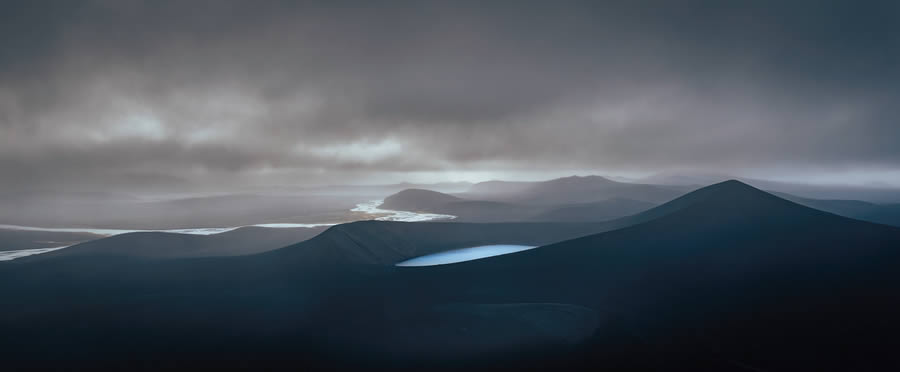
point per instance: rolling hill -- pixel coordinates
(11, 239)
(727, 277)
(242, 241)
(726, 273)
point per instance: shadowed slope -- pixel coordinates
(727, 271)
(242, 241)
(279, 304)
(888, 214)
(11, 239)
(383, 243)
(598, 211)
(727, 276)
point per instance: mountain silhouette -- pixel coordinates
(11, 239)
(496, 211)
(597, 211)
(242, 241)
(888, 214)
(385, 243)
(465, 210)
(493, 188)
(727, 277)
(571, 190)
(727, 272)
(418, 200)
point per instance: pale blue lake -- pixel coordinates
(464, 254)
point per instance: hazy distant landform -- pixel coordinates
(370, 208)
(373, 208)
(602, 200)
(727, 259)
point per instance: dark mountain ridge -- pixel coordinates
(418, 200)
(888, 214)
(726, 278)
(505, 211)
(11, 239)
(242, 241)
(728, 271)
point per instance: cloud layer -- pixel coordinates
(123, 94)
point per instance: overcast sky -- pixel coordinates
(118, 95)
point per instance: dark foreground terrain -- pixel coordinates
(727, 277)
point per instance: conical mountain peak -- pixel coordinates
(730, 197)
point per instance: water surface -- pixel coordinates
(464, 254)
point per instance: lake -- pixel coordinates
(464, 254)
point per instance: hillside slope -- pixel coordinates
(242, 241)
(728, 271)
(724, 278)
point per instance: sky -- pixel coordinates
(215, 95)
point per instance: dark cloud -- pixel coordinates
(131, 93)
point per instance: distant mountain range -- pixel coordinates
(582, 198)
(570, 199)
(381, 190)
(597, 211)
(510, 201)
(242, 241)
(566, 200)
(888, 214)
(873, 194)
(496, 211)
(570, 190)
(726, 277)
(11, 239)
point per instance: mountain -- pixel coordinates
(242, 241)
(727, 277)
(417, 200)
(204, 211)
(822, 196)
(888, 214)
(873, 194)
(384, 243)
(11, 239)
(493, 188)
(597, 211)
(464, 210)
(378, 191)
(726, 273)
(594, 188)
(495, 211)
(571, 190)
(277, 304)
